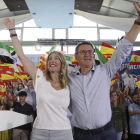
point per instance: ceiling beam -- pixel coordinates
(3, 9)
(133, 12)
(34, 43)
(108, 7)
(119, 10)
(131, 1)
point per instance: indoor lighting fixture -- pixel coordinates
(38, 47)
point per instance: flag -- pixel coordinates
(5, 64)
(46, 55)
(21, 75)
(52, 49)
(6, 77)
(5, 53)
(113, 80)
(107, 50)
(16, 61)
(117, 42)
(137, 82)
(135, 59)
(68, 60)
(100, 56)
(20, 68)
(42, 63)
(5, 68)
(74, 62)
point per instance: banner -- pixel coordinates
(133, 69)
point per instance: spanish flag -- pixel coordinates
(42, 63)
(20, 68)
(137, 82)
(135, 59)
(74, 62)
(46, 55)
(6, 68)
(8, 78)
(114, 79)
(2, 93)
(21, 75)
(7, 65)
(107, 50)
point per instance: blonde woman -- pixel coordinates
(52, 93)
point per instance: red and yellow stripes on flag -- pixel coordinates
(137, 82)
(46, 55)
(20, 68)
(107, 50)
(74, 62)
(6, 68)
(21, 75)
(113, 80)
(42, 63)
(6, 64)
(2, 93)
(135, 59)
(6, 77)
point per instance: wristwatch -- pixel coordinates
(138, 23)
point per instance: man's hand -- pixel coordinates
(9, 24)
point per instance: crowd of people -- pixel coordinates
(95, 114)
(125, 105)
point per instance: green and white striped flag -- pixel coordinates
(68, 60)
(98, 55)
(52, 49)
(5, 53)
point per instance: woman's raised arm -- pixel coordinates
(28, 65)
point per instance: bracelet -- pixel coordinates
(12, 29)
(138, 23)
(13, 35)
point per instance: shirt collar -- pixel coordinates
(92, 70)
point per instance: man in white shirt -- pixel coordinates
(128, 79)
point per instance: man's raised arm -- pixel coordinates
(132, 34)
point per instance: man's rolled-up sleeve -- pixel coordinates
(123, 50)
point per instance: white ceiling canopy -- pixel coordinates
(118, 14)
(123, 24)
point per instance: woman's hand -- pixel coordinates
(9, 24)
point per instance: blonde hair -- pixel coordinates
(63, 77)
